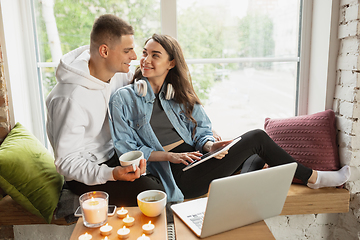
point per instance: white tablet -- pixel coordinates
(212, 154)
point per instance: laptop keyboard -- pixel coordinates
(197, 219)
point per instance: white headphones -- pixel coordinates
(141, 89)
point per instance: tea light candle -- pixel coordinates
(123, 233)
(143, 237)
(85, 236)
(129, 221)
(95, 210)
(122, 213)
(106, 238)
(106, 230)
(148, 228)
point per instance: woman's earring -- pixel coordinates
(140, 87)
(170, 92)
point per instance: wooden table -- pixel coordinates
(160, 232)
(255, 231)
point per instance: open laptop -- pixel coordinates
(238, 200)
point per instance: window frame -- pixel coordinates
(319, 73)
(17, 41)
(317, 68)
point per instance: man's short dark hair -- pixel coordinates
(108, 29)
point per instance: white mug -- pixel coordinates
(131, 158)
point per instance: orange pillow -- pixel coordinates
(309, 139)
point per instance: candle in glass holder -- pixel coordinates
(85, 236)
(148, 228)
(143, 237)
(129, 221)
(123, 233)
(106, 230)
(122, 213)
(95, 210)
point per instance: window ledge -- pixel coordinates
(13, 213)
(304, 200)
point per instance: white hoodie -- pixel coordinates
(77, 119)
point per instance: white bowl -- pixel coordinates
(151, 202)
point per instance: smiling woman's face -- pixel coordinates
(154, 62)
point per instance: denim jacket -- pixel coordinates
(130, 128)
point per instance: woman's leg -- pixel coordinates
(274, 155)
(258, 142)
(253, 163)
(195, 181)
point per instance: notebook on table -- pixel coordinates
(238, 200)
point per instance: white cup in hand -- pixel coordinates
(131, 158)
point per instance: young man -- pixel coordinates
(78, 122)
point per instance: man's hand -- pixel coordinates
(127, 173)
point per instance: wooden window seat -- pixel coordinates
(300, 200)
(303, 200)
(11, 213)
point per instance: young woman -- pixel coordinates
(161, 115)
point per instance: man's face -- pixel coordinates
(121, 54)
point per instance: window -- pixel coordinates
(63, 25)
(243, 55)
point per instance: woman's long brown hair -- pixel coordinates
(178, 76)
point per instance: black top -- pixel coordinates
(160, 123)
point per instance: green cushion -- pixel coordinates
(1, 194)
(28, 173)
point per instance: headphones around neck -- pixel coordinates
(141, 89)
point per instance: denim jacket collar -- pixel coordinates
(150, 96)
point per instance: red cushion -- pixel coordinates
(309, 139)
